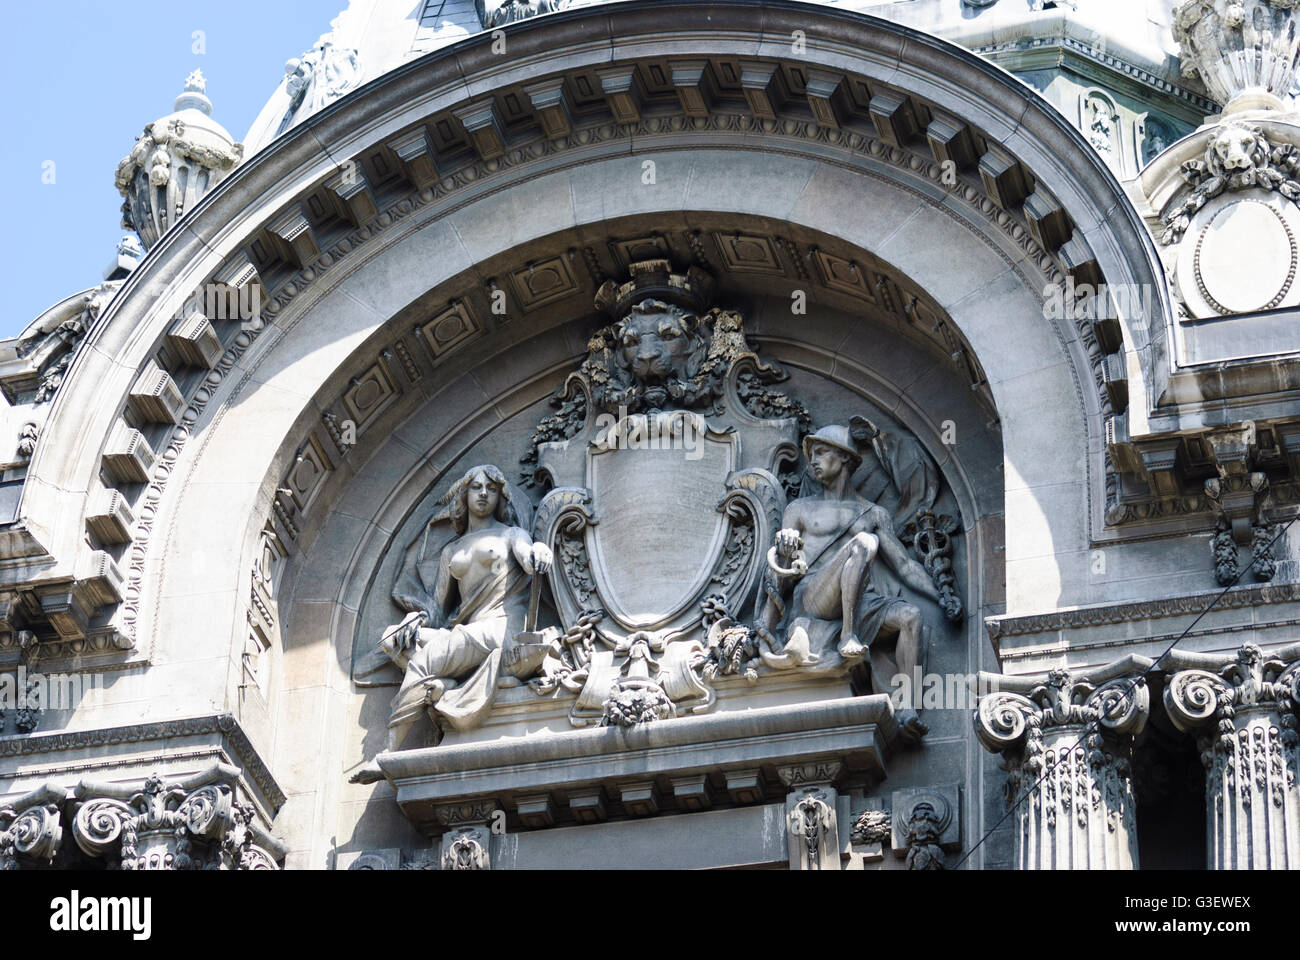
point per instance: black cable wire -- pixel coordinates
(1088, 730)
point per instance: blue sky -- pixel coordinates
(81, 79)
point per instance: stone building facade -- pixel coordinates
(678, 434)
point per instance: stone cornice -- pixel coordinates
(241, 748)
(1011, 54)
(1140, 611)
(859, 731)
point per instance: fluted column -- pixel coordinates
(1066, 743)
(1243, 709)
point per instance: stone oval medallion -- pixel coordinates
(1245, 258)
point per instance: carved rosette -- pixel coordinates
(1243, 710)
(161, 824)
(1066, 743)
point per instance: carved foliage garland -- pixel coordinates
(1238, 157)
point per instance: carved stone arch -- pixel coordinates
(190, 426)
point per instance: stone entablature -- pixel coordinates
(858, 731)
(1090, 635)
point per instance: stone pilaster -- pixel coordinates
(812, 823)
(1066, 742)
(1243, 709)
(195, 823)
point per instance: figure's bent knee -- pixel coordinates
(909, 616)
(865, 544)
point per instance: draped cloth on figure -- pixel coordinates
(465, 645)
(472, 640)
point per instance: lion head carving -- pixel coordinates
(658, 343)
(1237, 157)
(1237, 153)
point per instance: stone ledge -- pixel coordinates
(859, 731)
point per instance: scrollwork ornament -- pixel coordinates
(465, 852)
(1122, 705)
(101, 825)
(810, 821)
(35, 833)
(1193, 697)
(208, 812)
(1002, 721)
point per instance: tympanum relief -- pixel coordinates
(692, 534)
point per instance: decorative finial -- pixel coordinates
(194, 97)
